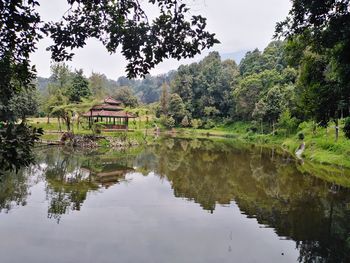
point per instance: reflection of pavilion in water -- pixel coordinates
(110, 172)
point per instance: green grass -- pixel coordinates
(321, 146)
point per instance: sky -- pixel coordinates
(240, 25)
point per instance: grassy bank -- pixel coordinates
(52, 132)
(321, 146)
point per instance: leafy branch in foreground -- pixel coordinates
(172, 34)
(16, 143)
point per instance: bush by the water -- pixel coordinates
(185, 123)
(196, 123)
(301, 136)
(346, 128)
(168, 122)
(97, 128)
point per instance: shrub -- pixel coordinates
(169, 122)
(346, 128)
(185, 122)
(301, 136)
(196, 123)
(209, 124)
(287, 122)
(97, 128)
(253, 129)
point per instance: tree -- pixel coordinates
(16, 143)
(274, 105)
(24, 104)
(259, 113)
(207, 84)
(185, 123)
(20, 30)
(251, 63)
(164, 99)
(98, 85)
(61, 75)
(149, 89)
(169, 122)
(79, 88)
(126, 96)
(246, 95)
(318, 32)
(176, 108)
(287, 122)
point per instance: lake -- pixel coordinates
(178, 200)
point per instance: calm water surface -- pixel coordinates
(176, 201)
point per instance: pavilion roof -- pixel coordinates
(106, 106)
(106, 113)
(110, 100)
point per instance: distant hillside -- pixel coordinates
(147, 90)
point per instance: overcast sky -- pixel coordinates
(240, 25)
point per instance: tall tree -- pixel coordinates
(126, 96)
(164, 99)
(79, 88)
(98, 85)
(176, 108)
(24, 104)
(322, 28)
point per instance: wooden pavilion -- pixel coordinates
(111, 113)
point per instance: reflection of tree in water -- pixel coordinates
(67, 183)
(13, 190)
(70, 176)
(14, 187)
(265, 186)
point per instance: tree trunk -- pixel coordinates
(68, 124)
(273, 127)
(78, 122)
(59, 124)
(336, 129)
(48, 118)
(262, 127)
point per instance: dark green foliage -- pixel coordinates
(301, 136)
(256, 61)
(149, 89)
(144, 43)
(24, 104)
(97, 128)
(19, 31)
(317, 93)
(318, 34)
(164, 99)
(176, 108)
(16, 142)
(346, 128)
(79, 88)
(126, 96)
(287, 122)
(206, 87)
(168, 121)
(251, 63)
